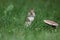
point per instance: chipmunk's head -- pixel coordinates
(31, 10)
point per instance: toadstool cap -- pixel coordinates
(51, 22)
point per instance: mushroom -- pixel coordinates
(52, 23)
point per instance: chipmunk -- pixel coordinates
(30, 17)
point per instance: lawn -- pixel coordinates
(13, 14)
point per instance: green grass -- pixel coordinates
(12, 17)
